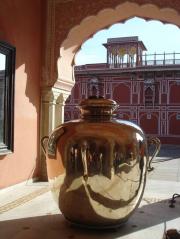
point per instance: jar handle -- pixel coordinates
(84, 161)
(52, 142)
(155, 141)
(44, 144)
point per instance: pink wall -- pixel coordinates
(21, 26)
(121, 93)
(149, 126)
(174, 94)
(174, 124)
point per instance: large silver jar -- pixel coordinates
(97, 166)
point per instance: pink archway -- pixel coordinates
(149, 123)
(121, 94)
(105, 18)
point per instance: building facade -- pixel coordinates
(146, 87)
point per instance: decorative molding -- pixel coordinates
(64, 85)
(52, 95)
(50, 64)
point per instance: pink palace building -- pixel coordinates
(146, 87)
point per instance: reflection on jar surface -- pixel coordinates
(97, 166)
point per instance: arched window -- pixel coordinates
(7, 69)
(149, 96)
(121, 94)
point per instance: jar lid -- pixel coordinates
(98, 102)
(97, 106)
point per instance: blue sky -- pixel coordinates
(157, 37)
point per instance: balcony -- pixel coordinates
(165, 59)
(170, 60)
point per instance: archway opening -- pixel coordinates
(105, 18)
(141, 82)
(77, 35)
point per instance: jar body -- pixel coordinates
(98, 170)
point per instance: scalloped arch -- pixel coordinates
(105, 18)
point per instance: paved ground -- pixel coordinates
(167, 164)
(29, 212)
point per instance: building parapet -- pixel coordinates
(148, 60)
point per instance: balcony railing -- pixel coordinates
(146, 60)
(161, 59)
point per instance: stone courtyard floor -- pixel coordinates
(27, 211)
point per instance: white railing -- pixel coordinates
(144, 61)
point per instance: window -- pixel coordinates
(169, 74)
(177, 74)
(140, 76)
(178, 116)
(159, 74)
(149, 96)
(7, 69)
(164, 87)
(149, 116)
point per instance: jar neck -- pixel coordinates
(97, 113)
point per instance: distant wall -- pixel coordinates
(21, 26)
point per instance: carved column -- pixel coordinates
(52, 115)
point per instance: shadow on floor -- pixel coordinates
(55, 226)
(167, 152)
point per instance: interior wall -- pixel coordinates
(21, 26)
